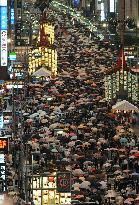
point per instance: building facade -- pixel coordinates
(132, 10)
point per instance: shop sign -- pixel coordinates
(3, 18)
(3, 48)
(12, 56)
(4, 145)
(3, 2)
(12, 16)
(64, 182)
(112, 5)
(1, 122)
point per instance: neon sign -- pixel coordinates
(4, 145)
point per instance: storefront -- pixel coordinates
(44, 190)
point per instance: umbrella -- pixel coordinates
(129, 200)
(74, 138)
(111, 194)
(107, 165)
(72, 134)
(42, 72)
(25, 114)
(71, 144)
(78, 172)
(34, 115)
(103, 184)
(137, 199)
(136, 155)
(76, 185)
(125, 106)
(135, 174)
(29, 120)
(117, 172)
(79, 196)
(54, 151)
(44, 121)
(85, 185)
(123, 140)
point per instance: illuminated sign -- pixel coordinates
(64, 182)
(1, 122)
(4, 145)
(3, 33)
(3, 18)
(12, 56)
(102, 12)
(2, 158)
(3, 2)
(76, 2)
(2, 178)
(112, 5)
(3, 48)
(1, 198)
(12, 16)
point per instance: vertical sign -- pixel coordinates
(12, 13)
(4, 146)
(3, 33)
(102, 12)
(3, 48)
(18, 26)
(112, 6)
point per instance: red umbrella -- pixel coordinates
(112, 115)
(136, 155)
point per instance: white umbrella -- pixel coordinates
(44, 121)
(34, 115)
(78, 172)
(103, 184)
(76, 185)
(107, 165)
(42, 72)
(25, 114)
(71, 144)
(29, 120)
(85, 185)
(125, 106)
(54, 151)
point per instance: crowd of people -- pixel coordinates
(68, 123)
